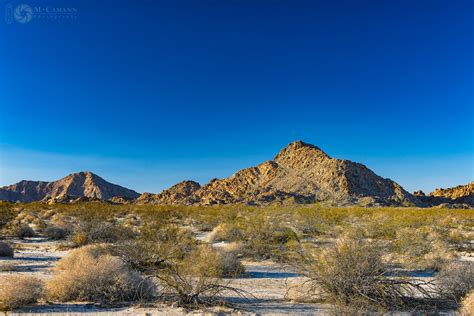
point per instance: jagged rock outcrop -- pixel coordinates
(301, 173)
(461, 194)
(67, 189)
(419, 193)
(458, 192)
(179, 194)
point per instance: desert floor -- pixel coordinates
(266, 283)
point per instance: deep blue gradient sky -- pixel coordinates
(149, 93)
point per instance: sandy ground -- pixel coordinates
(266, 283)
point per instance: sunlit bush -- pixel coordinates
(91, 274)
(17, 291)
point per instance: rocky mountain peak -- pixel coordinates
(300, 155)
(76, 185)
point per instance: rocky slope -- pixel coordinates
(461, 194)
(458, 192)
(73, 186)
(179, 194)
(300, 173)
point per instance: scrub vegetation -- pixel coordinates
(353, 258)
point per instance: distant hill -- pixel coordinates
(300, 173)
(460, 193)
(461, 196)
(76, 185)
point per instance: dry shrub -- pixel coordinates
(6, 250)
(91, 274)
(467, 305)
(23, 231)
(63, 221)
(90, 232)
(456, 280)
(158, 247)
(6, 213)
(422, 248)
(155, 246)
(302, 291)
(234, 247)
(352, 274)
(17, 291)
(265, 240)
(196, 279)
(225, 232)
(228, 264)
(55, 233)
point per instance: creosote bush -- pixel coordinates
(18, 291)
(91, 274)
(6, 250)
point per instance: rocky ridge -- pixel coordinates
(77, 185)
(300, 173)
(461, 196)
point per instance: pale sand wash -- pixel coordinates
(270, 287)
(266, 284)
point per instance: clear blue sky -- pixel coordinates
(149, 93)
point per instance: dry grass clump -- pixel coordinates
(456, 280)
(6, 250)
(91, 274)
(353, 274)
(18, 291)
